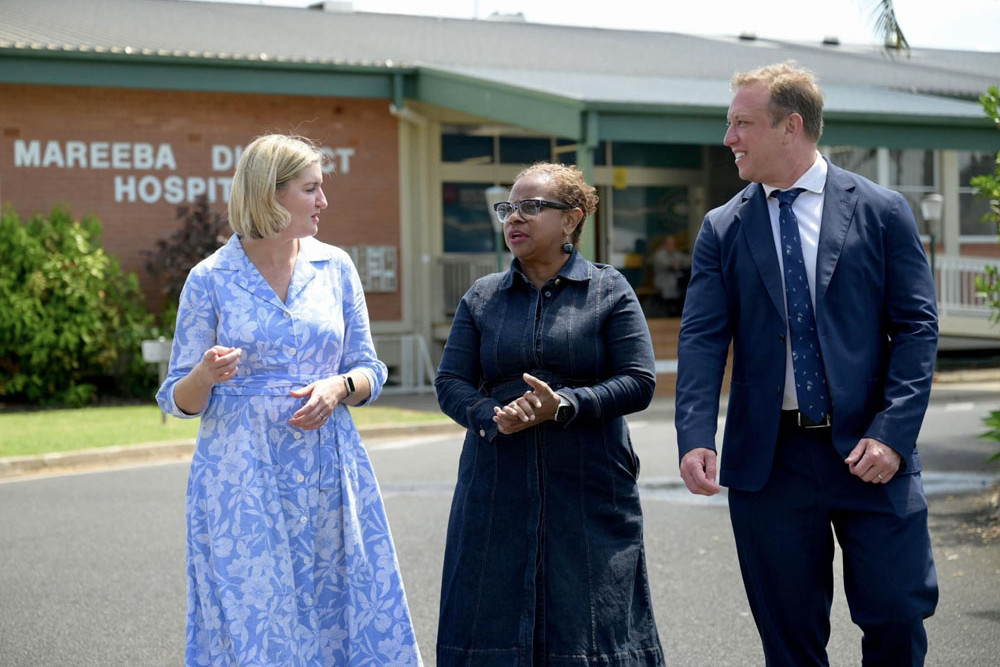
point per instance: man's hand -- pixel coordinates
(698, 472)
(874, 461)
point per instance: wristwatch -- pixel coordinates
(565, 411)
(349, 383)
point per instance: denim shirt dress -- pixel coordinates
(544, 562)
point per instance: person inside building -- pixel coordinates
(289, 555)
(818, 279)
(544, 556)
(671, 267)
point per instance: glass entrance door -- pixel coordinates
(650, 244)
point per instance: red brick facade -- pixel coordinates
(131, 156)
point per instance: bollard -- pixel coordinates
(157, 351)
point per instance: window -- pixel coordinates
(913, 174)
(565, 152)
(459, 146)
(467, 224)
(525, 150)
(863, 161)
(910, 172)
(651, 245)
(971, 208)
(627, 154)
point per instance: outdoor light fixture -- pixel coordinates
(494, 195)
(930, 208)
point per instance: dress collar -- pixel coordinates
(232, 256)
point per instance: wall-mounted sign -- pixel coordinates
(142, 157)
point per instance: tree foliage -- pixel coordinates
(987, 187)
(886, 26)
(71, 321)
(201, 233)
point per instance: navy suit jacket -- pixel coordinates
(876, 314)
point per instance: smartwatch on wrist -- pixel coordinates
(565, 411)
(349, 383)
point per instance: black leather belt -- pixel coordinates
(798, 419)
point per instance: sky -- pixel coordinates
(946, 24)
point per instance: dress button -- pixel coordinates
(308, 600)
(548, 294)
(300, 478)
(292, 352)
(302, 519)
(557, 281)
(482, 433)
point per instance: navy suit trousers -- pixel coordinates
(785, 542)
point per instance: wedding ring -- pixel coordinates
(879, 475)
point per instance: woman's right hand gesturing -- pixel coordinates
(218, 364)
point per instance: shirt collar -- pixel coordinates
(814, 180)
(577, 268)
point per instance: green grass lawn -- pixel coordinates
(48, 431)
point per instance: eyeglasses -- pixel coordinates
(529, 208)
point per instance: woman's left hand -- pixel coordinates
(324, 396)
(533, 407)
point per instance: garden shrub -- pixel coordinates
(71, 321)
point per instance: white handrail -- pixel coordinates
(411, 370)
(456, 273)
(956, 285)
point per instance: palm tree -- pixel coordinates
(886, 26)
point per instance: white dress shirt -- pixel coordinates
(808, 208)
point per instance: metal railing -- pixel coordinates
(955, 278)
(456, 273)
(409, 362)
(956, 285)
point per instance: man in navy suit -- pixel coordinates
(824, 406)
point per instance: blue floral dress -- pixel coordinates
(289, 556)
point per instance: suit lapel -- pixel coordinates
(839, 202)
(755, 222)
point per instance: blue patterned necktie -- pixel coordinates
(807, 360)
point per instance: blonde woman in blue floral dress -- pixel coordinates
(289, 556)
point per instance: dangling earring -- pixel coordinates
(567, 248)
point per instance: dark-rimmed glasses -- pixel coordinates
(529, 208)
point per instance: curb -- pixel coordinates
(62, 462)
(175, 450)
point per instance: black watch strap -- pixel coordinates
(349, 381)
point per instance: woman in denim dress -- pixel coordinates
(544, 563)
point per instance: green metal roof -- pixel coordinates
(583, 84)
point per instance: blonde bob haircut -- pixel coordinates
(266, 166)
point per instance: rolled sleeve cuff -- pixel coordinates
(169, 405)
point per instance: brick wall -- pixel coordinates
(131, 156)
